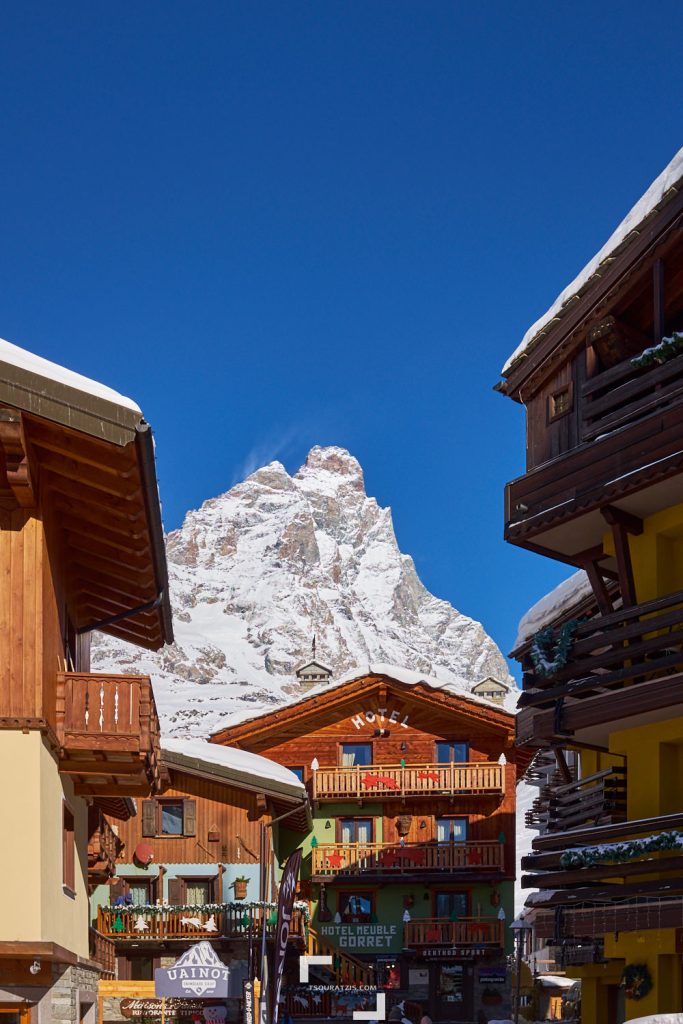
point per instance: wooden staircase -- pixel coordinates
(346, 968)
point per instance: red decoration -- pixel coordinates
(369, 781)
(434, 776)
(474, 856)
(143, 854)
(334, 859)
(433, 934)
(402, 855)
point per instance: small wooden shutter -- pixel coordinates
(189, 817)
(149, 817)
(175, 891)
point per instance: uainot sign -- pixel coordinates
(198, 972)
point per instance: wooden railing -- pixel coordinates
(103, 952)
(392, 858)
(362, 781)
(626, 646)
(626, 393)
(346, 968)
(113, 716)
(598, 799)
(104, 847)
(231, 922)
(466, 931)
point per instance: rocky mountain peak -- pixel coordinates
(256, 571)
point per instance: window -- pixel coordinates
(171, 818)
(354, 754)
(68, 851)
(139, 892)
(560, 402)
(299, 772)
(355, 830)
(449, 906)
(451, 830)
(197, 892)
(448, 751)
(356, 907)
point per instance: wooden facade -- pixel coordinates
(601, 700)
(416, 838)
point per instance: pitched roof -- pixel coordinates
(661, 191)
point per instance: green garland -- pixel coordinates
(668, 348)
(636, 981)
(153, 909)
(617, 853)
(549, 657)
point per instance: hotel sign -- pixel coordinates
(380, 718)
(198, 972)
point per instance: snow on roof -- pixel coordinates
(659, 1018)
(646, 205)
(240, 761)
(555, 604)
(555, 981)
(24, 360)
(401, 675)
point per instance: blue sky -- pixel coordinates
(283, 224)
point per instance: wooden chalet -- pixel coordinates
(601, 377)
(409, 864)
(81, 548)
(192, 864)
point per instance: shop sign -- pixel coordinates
(198, 972)
(455, 952)
(285, 906)
(493, 975)
(248, 1002)
(361, 936)
(381, 717)
(174, 1009)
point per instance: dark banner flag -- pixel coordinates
(285, 905)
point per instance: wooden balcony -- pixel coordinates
(411, 780)
(620, 656)
(103, 952)
(581, 930)
(342, 859)
(108, 732)
(629, 425)
(104, 847)
(597, 799)
(228, 922)
(479, 932)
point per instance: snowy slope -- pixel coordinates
(258, 570)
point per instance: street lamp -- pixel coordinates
(518, 927)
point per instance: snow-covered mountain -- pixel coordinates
(257, 571)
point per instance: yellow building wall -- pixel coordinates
(34, 906)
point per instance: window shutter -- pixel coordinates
(189, 817)
(149, 817)
(175, 891)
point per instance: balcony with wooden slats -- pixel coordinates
(597, 799)
(481, 933)
(107, 729)
(104, 847)
(627, 417)
(392, 859)
(364, 782)
(627, 661)
(103, 953)
(223, 921)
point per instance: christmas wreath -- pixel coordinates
(636, 981)
(549, 657)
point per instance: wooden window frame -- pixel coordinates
(465, 743)
(357, 890)
(151, 883)
(189, 809)
(452, 817)
(355, 817)
(298, 768)
(567, 389)
(68, 850)
(446, 890)
(162, 802)
(186, 880)
(354, 743)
